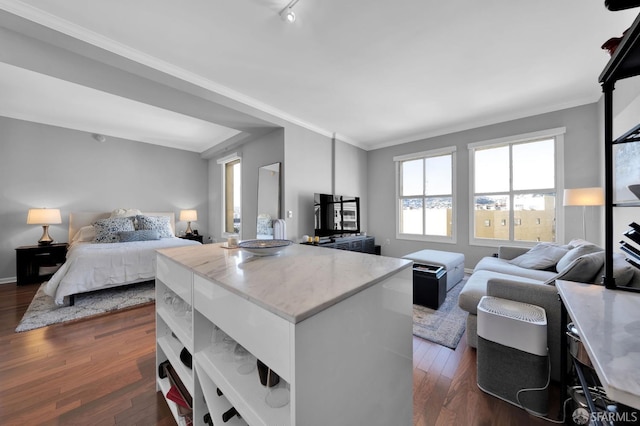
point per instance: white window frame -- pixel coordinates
(450, 150)
(223, 208)
(558, 135)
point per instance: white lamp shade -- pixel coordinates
(189, 215)
(44, 217)
(584, 197)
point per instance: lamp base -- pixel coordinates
(188, 231)
(45, 240)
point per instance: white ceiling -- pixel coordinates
(61, 103)
(374, 73)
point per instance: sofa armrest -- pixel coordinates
(545, 296)
(511, 252)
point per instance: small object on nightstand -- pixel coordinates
(193, 237)
(36, 264)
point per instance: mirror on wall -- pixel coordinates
(268, 200)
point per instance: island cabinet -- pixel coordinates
(334, 327)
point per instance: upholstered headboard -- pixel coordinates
(79, 219)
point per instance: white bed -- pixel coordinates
(93, 266)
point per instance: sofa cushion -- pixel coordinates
(623, 272)
(577, 242)
(583, 269)
(541, 256)
(575, 253)
(476, 287)
(503, 266)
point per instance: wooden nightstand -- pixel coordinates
(193, 237)
(36, 264)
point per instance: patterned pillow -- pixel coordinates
(107, 229)
(140, 235)
(156, 223)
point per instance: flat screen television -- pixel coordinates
(336, 214)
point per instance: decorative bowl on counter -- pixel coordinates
(264, 247)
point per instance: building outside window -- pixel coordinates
(426, 195)
(514, 182)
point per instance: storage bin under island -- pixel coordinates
(334, 326)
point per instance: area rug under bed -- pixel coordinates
(42, 311)
(444, 326)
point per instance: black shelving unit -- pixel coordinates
(624, 63)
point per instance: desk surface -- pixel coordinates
(609, 326)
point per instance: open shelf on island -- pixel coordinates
(243, 391)
(171, 348)
(178, 325)
(217, 404)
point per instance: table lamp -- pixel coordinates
(44, 217)
(189, 216)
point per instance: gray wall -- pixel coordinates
(310, 163)
(47, 166)
(351, 177)
(316, 163)
(582, 168)
(308, 169)
(265, 150)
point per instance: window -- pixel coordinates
(514, 182)
(231, 184)
(426, 200)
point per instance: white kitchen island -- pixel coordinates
(334, 325)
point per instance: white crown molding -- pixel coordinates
(63, 26)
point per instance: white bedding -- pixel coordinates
(92, 266)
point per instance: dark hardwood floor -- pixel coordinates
(101, 371)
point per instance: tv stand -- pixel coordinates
(359, 243)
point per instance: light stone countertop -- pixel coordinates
(297, 283)
(609, 325)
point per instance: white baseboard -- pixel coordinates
(8, 280)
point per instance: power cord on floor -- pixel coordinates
(564, 404)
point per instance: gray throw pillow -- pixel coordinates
(541, 256)
(575, 253)
(583, 269)
(140, 235)
(623, 272)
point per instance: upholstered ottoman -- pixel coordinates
(453, 263)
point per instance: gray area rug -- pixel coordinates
(42, 311)
(444, 326)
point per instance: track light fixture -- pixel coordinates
(287, 14)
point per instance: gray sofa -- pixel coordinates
(528, 276)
